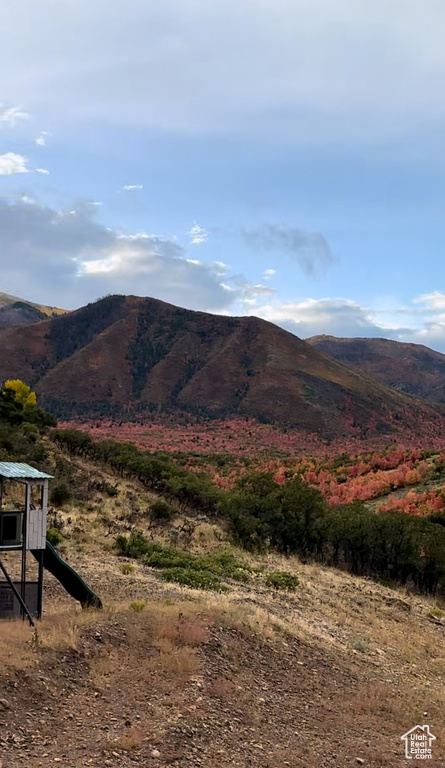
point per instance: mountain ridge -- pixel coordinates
(16, 311)
(130, 356)
(410, 368)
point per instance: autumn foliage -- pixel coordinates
(293, 506)
(22, 392)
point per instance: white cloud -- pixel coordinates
(434, 300)
(12, 114)
(42, 170)
(12, 163)
(247, 292)
(310, 317)
(268, 273)
(131, 187)
(41, 139)
(197, 235)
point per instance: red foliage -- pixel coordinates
(342, 475)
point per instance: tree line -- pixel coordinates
(291, 517)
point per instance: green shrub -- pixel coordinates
(60, 494)
(54, 536)
(136, 545)
(225, 564)
(195, 579)
(435, 613)
(162, 511)
(358, 643)
(171, 558)
(282, 580)
(263, 513)
(211, 568)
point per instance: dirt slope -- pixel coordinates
(329, 677)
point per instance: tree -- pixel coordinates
(11, 411)
(22, 392)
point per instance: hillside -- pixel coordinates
(207, 654)
(410, 368)
(126, 356)
(15, 311)
(331, 674)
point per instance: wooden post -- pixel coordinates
(44, 506)
(1, 505)
(24, 542)
(40, 585)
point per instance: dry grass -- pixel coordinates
(16, 641)
(162, 648)
(178, 664)
(378, 699)
(180, 630)
(161, 643)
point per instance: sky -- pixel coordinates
(277, 158)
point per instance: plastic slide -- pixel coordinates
(68, 577)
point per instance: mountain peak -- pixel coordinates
(129, 356)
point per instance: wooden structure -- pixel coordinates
(23, 530)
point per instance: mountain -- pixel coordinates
(410, 368)
(123, 356)
(15, 311)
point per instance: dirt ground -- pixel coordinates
(331, 675)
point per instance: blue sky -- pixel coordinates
(280, 158)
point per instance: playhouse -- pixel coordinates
(23, 532)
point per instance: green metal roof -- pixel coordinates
(15, 471)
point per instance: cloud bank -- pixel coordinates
(70, 258)
(303, 71)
